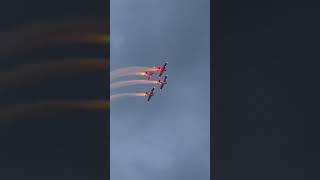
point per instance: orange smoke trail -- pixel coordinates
(105, 38)
(69, 30)
(131, 83)
(21, 110)
(32, 72)
(130, 71)
(125, 95)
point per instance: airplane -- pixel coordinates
(150, 94)
(163, 82)
(162, 69)
(149, 74)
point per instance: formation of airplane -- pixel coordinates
(163, 82)
(160, 70)
(150, 94)
(149, 74)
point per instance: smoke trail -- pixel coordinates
(27, 73)
(69, 30)
(37, 108)
(130, 83)
(125, 95)
(130, 71)
(106, 38)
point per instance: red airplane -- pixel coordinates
(163, 82)
(149, 74)
(162, 69)
(150, 94)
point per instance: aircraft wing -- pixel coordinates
(163, 82)
(162, 69)
(165, 79)
(150, 94)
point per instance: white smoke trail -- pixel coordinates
(28, 73)
(130, 83)
(125, 95)
(20, 111)
(130, 71)
(50, 33)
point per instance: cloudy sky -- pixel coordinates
(167, 138)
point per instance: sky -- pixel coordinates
(167, 138)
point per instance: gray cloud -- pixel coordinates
(167, 138)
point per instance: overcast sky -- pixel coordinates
(167, 138)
